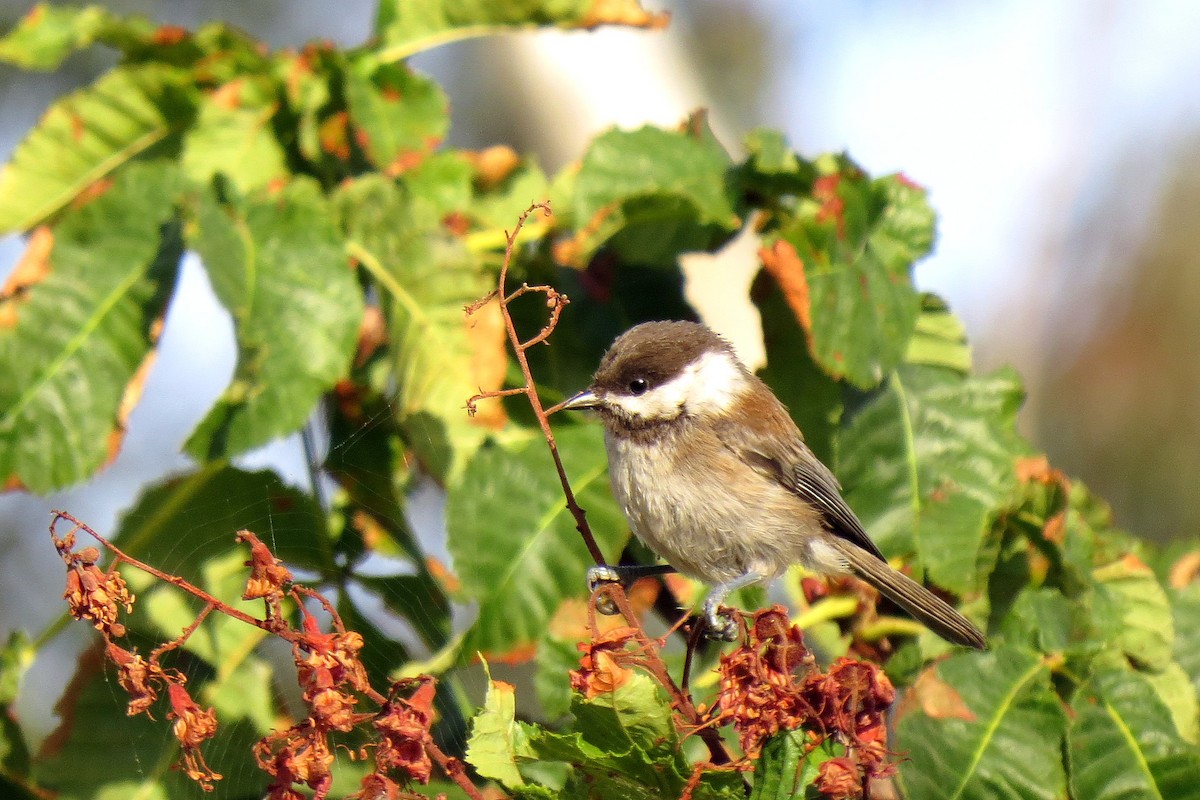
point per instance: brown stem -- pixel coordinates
(453, 768)
(681, 701)
(530, 390)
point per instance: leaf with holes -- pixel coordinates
(514, 543)
(278, 264)
(73, 338)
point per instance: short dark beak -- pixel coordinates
(585, 399)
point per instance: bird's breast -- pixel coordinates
(710, 516)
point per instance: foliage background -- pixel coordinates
(1137, 469)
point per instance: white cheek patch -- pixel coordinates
(709, 385)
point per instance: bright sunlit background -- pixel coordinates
(1058, 140)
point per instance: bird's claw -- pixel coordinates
(723, 627)
(600, 575)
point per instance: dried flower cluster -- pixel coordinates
(772, 684)
(331, 675)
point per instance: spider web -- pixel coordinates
(196, 357)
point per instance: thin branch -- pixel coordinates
(556, 301)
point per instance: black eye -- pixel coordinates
(638, 386)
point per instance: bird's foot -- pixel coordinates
(601, 575)
(721, 626)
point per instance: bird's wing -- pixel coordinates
(788, 460)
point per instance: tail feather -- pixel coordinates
(914, 598)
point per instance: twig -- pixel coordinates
(556, 301)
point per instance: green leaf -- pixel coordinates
(555, 658)
(940, 339)
(71, 343)
(857, 239)
(664, 192)
(16, 658)
(233, 136)
(182, 522)
(928, 462)
(623, 742)
(47, 34)
(812, 397)
(441, 357)
(1185, 607)
(496, 738)
(1175, 690)
(88, 134)
(635, 714)
(278, 264)
(503, 204)
(405, 27)
(399, 117)
(786, 768)
(1131, 608)
(514, 544)
(979, 726)
(1124, 743)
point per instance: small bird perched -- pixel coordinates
(714, 476)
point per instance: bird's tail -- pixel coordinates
(923, 605)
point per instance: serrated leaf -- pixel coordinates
(624, 742)
(659, 192)
(71, 342)
(928, 462)
(1131, 607)
(635, 714)
(185, 520)
(441, 356)
(1124, 744)
(496, 737)
(88, 134)
(406, 27)
(398, 116)
(856, 241)
(786, 767)
(981, 726)
(233, 136)
(279, 265)
(514, 544)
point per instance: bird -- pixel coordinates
(714, 476)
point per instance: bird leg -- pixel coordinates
(724, 626)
